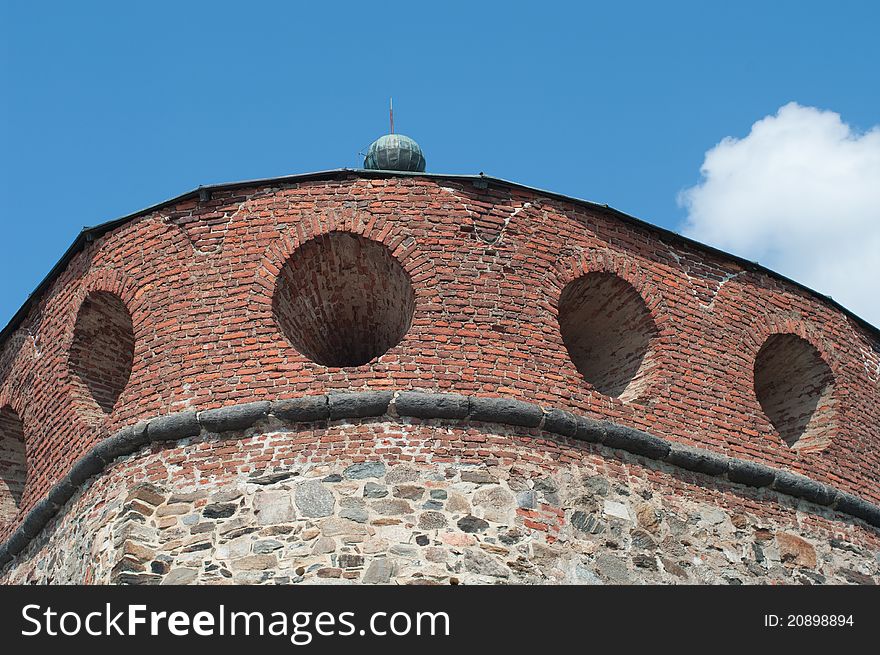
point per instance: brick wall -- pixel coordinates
(212, 325)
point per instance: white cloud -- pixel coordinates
(801, 195)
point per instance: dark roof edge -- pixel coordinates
(89, 234)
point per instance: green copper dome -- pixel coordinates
(395, 152)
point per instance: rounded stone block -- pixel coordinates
(174, 426)
(561, 422)
(236, 417)
(84, 468)
(634, 441)
(802, 487)
(750, 473)
(431, 405)
(359, 405)
(307, 409)
(506, 411)
(697, 460)
(589, 430)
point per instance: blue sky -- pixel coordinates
(108, 107)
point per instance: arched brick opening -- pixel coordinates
(607, 329)
(795, 388)
(13, 464)
(343, 300)
(102, 351)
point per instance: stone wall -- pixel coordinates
(462, 284)
(431, 502)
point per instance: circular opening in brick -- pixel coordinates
(103, 348)
(13, 465)
(608, 330)
(343, 300)
(794, 386)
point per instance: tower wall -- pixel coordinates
(483, 290)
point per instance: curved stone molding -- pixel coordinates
(427, 406)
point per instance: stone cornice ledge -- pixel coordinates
(421, 405)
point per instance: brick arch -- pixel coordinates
(746, 313)
(22, 389)
(343, 300)
(391, 235)
(97, 377)
(571, 266)
(626, 364)
(795, 381)
(795, 388)
(19, 380)
(790, 323)
(169, 275)
(146, 263)
(748, 310)
(14, 458)
(137, 260)
(109, 281)
(123, 262)
(746, 322)
(119, 249)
